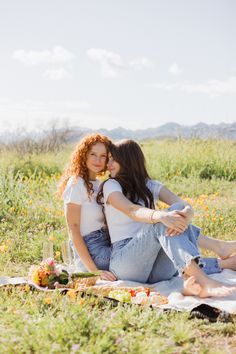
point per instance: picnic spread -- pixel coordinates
(49, 276)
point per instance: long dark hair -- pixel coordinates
(133, 174)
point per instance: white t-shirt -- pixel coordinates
(120, 225)
(92, 217)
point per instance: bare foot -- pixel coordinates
(226, 249)
(191, 287)
(228, 263)
(216, 289)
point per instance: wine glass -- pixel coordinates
(47, 250)
(67, 256)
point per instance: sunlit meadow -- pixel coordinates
(201, 172)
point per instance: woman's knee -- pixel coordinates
(176, 206)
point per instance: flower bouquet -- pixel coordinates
(49, 274)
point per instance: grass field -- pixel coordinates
(202, 172)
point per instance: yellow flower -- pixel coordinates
(3, 248)
(27, 288)
(47, 301)
(58, 254)
(9, 241)
(52, 238)
(34, 276)
(72, 294)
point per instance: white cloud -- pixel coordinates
(212, 88)
(58, 54)
(57, 74)
(110, 63)
(174, 69)
(140, 63)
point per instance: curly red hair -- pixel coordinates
(77, 166)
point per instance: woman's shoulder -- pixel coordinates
(75, 191)
(75, 181)
(111, 185)
(111, 182)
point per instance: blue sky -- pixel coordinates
(110, 63)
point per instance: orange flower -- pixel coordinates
(81, 301)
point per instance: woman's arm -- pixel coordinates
(138, 213)
(73, 213)
(168, 197)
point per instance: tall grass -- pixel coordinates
(191, 158)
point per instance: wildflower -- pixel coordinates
(75, 348)
(58, 254)
(81, 301)
(72, 294)
(52, 238)
(27, 288)
(9, 241)
(47, 301)
(3, 248)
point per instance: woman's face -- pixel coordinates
(113, 166)
(96, 159)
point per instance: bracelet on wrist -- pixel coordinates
(151, 217)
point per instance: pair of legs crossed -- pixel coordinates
(151, 256)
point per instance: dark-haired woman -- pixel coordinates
(150, 245)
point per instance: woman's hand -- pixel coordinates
(175, 223)
(106, 275)
(187, 213)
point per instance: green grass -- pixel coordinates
(36, 322)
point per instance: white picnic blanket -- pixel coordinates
(170, 288)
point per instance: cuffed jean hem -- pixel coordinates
(211, 266)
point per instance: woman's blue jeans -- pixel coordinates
(151, 256)
(99, 247)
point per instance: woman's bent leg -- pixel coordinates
(163, 269)
(133, 259)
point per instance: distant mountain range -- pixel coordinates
(169, 130)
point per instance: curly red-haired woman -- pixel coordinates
(85, 220)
